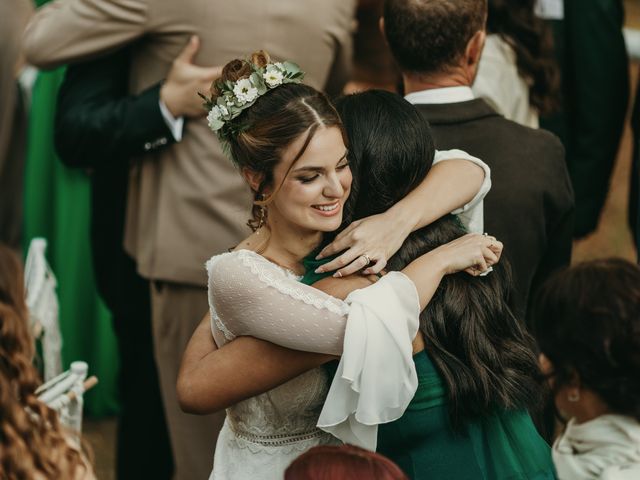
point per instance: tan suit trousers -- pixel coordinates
(176, 311)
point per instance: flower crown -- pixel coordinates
(253, 78)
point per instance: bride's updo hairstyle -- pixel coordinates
(257, 137)
(483, 353)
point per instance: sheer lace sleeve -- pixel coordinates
(248, 295)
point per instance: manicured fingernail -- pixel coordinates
(337, 275)
(319, 256)
(319, 270)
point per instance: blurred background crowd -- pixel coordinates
(569, 67)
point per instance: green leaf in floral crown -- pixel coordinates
(257, 81)
(216, 124)
(291, 67)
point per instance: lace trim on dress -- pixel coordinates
(265, 273)
(299, 445)
(214, 315)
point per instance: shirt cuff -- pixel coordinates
(175, 125)
(472, 214)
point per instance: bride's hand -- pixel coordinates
(369, 242)
(473, 253)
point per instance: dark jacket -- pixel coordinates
(592, 56)
(100, 127)
(530, 205)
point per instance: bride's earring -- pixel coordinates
(262, 217)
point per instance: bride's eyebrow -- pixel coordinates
(319, 169)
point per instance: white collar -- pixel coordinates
(441, 95)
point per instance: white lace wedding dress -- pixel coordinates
(249, 295)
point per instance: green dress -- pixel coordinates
(57, 207)
(501, 446)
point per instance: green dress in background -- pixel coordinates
(501, 446)
(57, 207)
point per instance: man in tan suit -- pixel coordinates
(187, 202)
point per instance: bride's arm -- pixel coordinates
(242, 369)
(248, 366)
(456, 183)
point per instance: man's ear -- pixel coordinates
(381, 27)
(474, 48)
(253, 178)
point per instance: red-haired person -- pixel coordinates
(342, 462)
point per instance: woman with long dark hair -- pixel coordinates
(517, 73)
(478, 371)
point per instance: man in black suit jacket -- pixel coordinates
(437, 45)
(100, 128)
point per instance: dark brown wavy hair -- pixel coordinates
(516, 23)
(587, 322)
(264, 130)
(32, 442)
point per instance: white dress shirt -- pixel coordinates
(441, 95)
(175, 125)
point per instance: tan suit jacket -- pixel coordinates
(187, 202)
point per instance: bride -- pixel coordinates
(289, 144)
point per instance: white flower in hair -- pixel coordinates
(215, 117)
(273, 76)
(244, 91)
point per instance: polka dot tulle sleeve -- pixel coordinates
(249, 295)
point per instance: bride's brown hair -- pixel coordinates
(32, 443)
(266, 128)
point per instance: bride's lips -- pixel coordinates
(328, 209)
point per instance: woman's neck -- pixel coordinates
(288, 245)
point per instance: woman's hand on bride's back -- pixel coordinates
(473, 253)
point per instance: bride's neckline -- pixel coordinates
(284, 269)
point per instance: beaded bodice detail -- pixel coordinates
(283, 416)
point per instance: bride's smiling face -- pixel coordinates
(312, 191)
